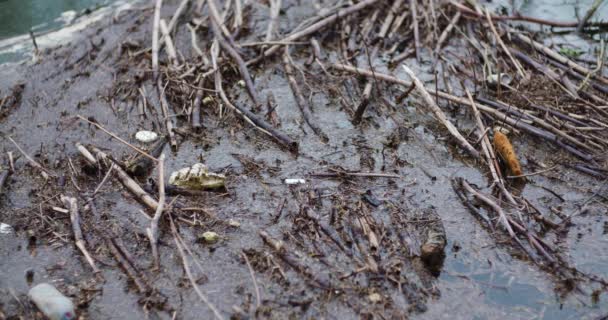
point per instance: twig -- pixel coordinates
(581, 25)
(72, 205)
(99, 126)
(44, 172)
(558, 57)
(155, 42)
(340, 14)
(153, 230)
(479, 15)
(415, 23)
(169, 43)
(300, 100)
(440, 115)
(185, 263)
(246, 114)
(258, 298)
(275, 8)
(124, 178)
(446, 32)
(365, 97)
(164, 105)
(520, 70)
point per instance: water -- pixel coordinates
(18, 17)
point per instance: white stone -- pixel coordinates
(145, 136)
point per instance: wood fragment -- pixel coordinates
(72, 206)
(153, 230)
(430, 103)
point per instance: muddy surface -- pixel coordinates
(350, 244)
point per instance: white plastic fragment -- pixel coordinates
(51, 302)
(295, 181)
(5, 228)
(145, 136)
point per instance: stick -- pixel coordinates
(256, 122)
(255, 283)
(440, 115)
(155, 46)
(99, 126)
(558, 57)
(275, 8)
(196, 107)
(153, 230)
(124, 178)
(381, 36)
(300, 101)
(494, 113)
(44, 172)
(72, 205)
(340, 14)
(581, 25)
(185, 263)
(446, 32)
(475, 14)
(169, 43)
(520, 70)
(120, 257)
(164, 105)
(415, 23)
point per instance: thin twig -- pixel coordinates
(153, 230)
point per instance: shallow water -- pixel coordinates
(481, 280)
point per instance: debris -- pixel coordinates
(145, 136)
(375, 297)
(432, 250)
(505, 149)
(5, 228)
(210, 237)
(233, 223)
(504, 78)
(295, 181)
(371, 199)
(197, 177)
(51, 302)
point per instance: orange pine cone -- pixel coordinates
(504, 148)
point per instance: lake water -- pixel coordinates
(18, 17)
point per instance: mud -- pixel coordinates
(325, 268)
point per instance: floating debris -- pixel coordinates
(375, 297)
(507, 153)
(145, 136)
(295, 181)
(210, 237)
(5, 228)
(197, 177)
(505, 79)
(233, 223)
(51, 302)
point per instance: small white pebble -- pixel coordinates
(241, 83)
(145, 136)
